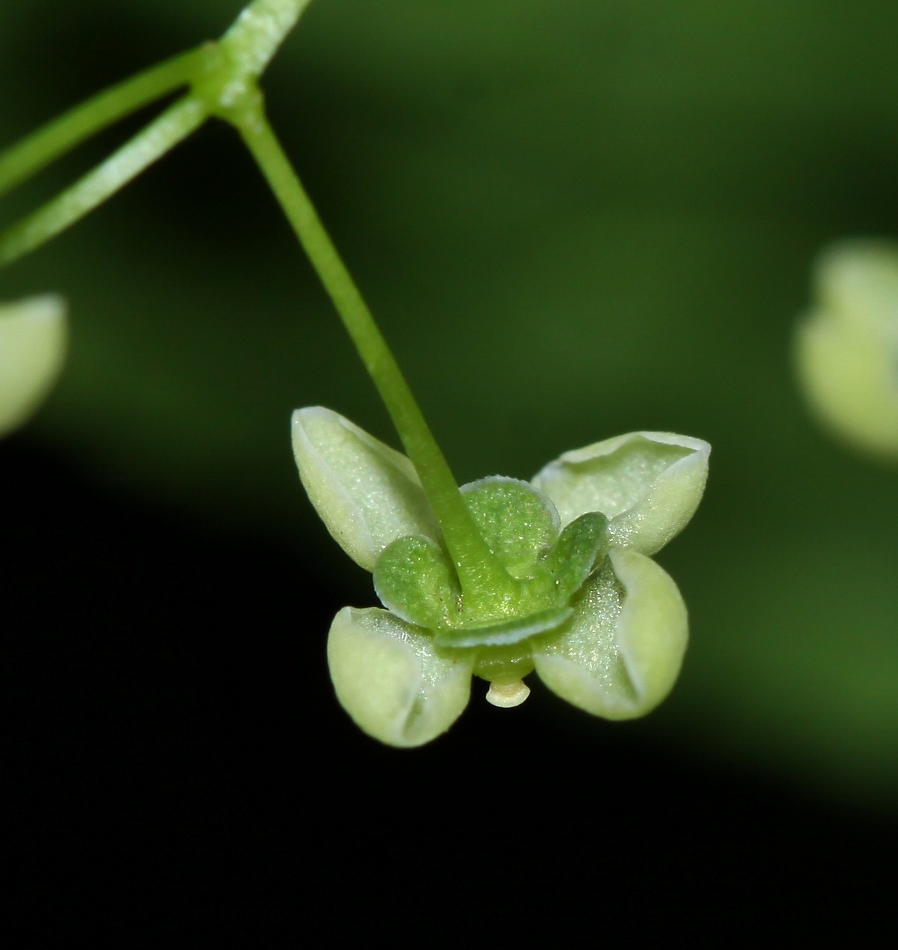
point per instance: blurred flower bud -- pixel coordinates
(846, 347)
(33, 337)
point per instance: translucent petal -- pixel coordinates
(648, 485)
(621, 653)
(366, 493)
(33, 338)
(389, 678)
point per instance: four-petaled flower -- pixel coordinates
(584, 606)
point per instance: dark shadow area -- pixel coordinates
(160, 675)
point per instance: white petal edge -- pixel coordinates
(33, 341)
(366, 493)
(647, 642)
(644, 509)
(388, 677)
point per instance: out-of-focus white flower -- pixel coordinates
(33, 338)
(846, 347)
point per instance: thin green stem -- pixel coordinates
(479, 571)
(222, 78)
(256, 34)
(219, 74)
(79, 124)
(175, 124)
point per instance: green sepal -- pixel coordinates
(505, 633)
(581, 545)
(517, 521)
(416, 580)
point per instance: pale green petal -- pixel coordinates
(850, 379)
(33, 339)
(856, 283)
(648, 485)
(366, 493)
(846, 350)
(622, 651)
(389, 678)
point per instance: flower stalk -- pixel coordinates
(478, 570)
(497, 579)
(223, 81)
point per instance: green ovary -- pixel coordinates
(504, 664)
(415, 579)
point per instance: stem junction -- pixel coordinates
(222, 80)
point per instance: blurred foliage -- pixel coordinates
(574, 220)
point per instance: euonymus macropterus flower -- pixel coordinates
(582, 603)
(497, 579)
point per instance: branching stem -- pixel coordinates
(87, 119)
(159, 137)
(223, 78)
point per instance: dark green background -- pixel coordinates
(573, 219)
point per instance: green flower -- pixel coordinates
(846, 348)
(584, 606)
(33, 338)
